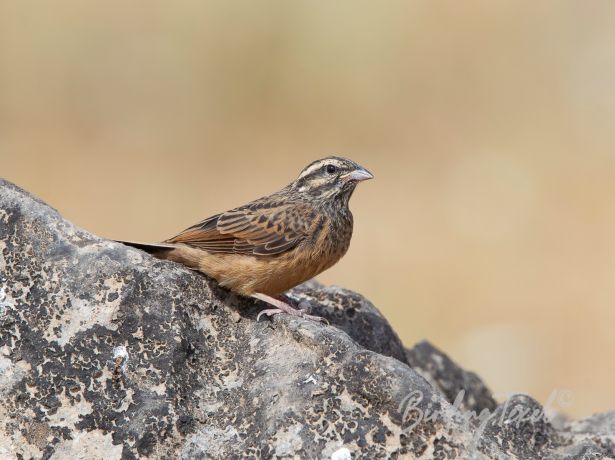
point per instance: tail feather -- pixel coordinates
(150, 248)
(167, 251)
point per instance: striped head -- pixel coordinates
(330, 178)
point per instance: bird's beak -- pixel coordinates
(358, 175)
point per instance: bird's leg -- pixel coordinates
(281, 307)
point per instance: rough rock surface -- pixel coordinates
(106, 352)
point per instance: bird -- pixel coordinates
(276, 242)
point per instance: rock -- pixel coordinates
(354, 315)
(450, 379)
(106, 352)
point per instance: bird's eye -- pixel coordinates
(331, 169)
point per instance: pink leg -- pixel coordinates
(281, 307)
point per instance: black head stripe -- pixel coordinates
(315, 180)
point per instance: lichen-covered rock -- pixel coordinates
(454, 383)
(106, 352)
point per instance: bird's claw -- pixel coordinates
(274, 311)
(283, 307)
(268, 312)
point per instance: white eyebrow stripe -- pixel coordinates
(311, 169)
(320, 164)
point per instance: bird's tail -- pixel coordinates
(155, 249)
(167, 251)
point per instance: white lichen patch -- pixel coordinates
(204, 324)
(160, 389)
(347, 403)
(120, 355)
(288, 442)
(11, 373)
(81, 316)
(3, 266)
(232, 380)
(254, 344)
(276, 374)
(5, 302)
(342, 454)
(84, 314)
(309, 379)
(69, 412)
(92, 445)
(211, 440)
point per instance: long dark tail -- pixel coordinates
(167, 251)
(155, 249)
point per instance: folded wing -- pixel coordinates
(260, 229)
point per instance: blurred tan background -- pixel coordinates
(490, 227)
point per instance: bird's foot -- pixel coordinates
(283, 307)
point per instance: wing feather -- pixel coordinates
(257, 229)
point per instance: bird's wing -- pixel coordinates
(260, 228)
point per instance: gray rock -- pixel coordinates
(450, 379)
(106, 352)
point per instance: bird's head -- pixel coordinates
(330, 178)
